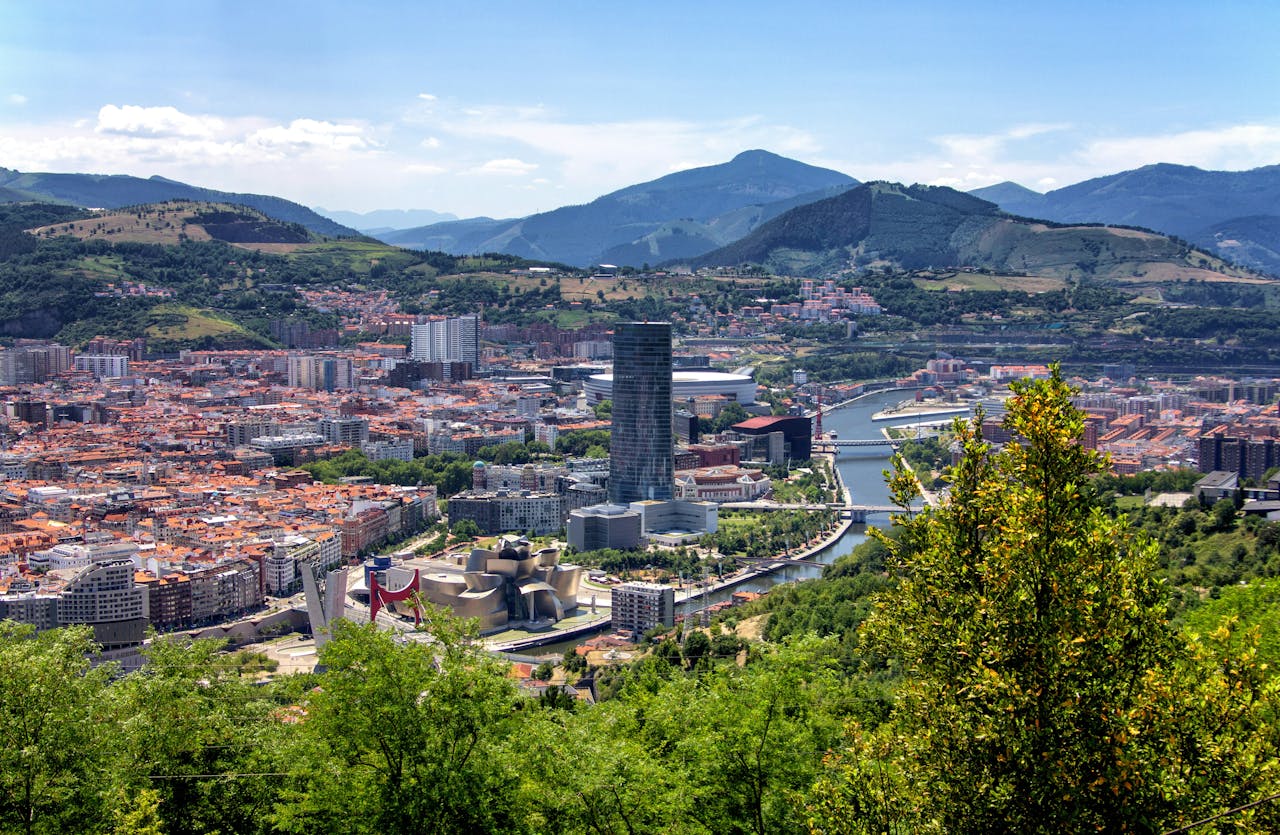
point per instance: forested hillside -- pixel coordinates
(218, 274)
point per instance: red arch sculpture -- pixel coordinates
(379, 597)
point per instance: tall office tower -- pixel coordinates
(640, 451)
(456, 339)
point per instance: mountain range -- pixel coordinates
(681, 215)
(114, 191)
(888, 225)
(690, 215)
(1235, 214)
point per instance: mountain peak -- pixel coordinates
(756, 155)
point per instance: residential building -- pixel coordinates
(103, 366)
(503, 511)
(640, 607)
(455, 339)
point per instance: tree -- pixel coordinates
(52, 766)
(190, 713)
(697, 649)
(465, 529)
(403, 736)
(1043, 687)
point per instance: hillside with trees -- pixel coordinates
(1230, 213)
(114, 191)
(887, 226)
(219, 274)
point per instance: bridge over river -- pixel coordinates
(872, 446)
(855, 512)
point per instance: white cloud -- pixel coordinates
(1046, 156)
(970, 148)
(430, 142)
(506, 168)
(424, 168)
(426, 97)
(1234, 147)
(306, 134)
(17, 98)
(593, 158)
(134, 120)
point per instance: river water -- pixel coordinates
(862, 471)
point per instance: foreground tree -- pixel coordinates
(402, 736)
(192, 739)
(52, 772)
(1044, 689)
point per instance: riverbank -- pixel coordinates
(780, 562)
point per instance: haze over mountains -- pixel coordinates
(382, 221)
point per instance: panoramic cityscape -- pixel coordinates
(561, 419)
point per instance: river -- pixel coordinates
(863, 474)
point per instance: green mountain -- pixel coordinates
(1207, 208)
(113, 191)
(919, 227)
(188, 274)
(678, 215)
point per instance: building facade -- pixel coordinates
(455, 339)
(640, 607)
(640, 448)
(604, 526)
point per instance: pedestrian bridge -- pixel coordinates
(871, 445)
(855, 512)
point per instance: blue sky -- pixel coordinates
(506, 108)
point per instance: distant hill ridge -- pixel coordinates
(920, 227)
(679, 215)
(174, 221)
(1235, 214)
(385, 220)
(114, 191)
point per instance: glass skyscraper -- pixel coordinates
(640, 449)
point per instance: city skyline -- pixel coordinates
(509, 109)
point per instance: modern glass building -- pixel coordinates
(640, 450)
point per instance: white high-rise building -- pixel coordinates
(103, 366)
(456, 339)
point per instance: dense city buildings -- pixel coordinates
(640, 449)
(182, 477)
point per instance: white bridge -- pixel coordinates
(855, 512)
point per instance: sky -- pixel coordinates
(503, 108)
